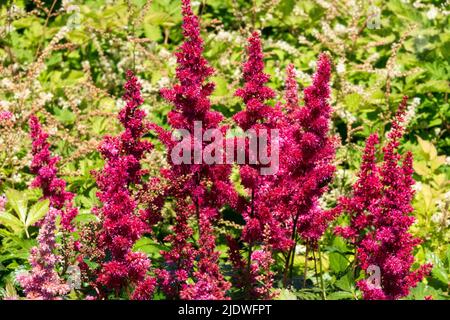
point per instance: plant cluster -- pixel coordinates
(114, 216)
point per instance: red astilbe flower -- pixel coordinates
(261, 227)
(43, 165)
(200, 189)
(380, 216)
(122, 224)
(307, 152)
(258, 116)
(43, 282)
(255, 92)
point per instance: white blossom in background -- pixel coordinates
(340, 68)
(297, 11)
(52, 130)
(447, 161)
(4, 104)
(432, 13)
(23, 94)
(7, 83)
(237, 74)
(163, 82)
(303, 77)
(340, 28)
(146, 86)
(69, 6)
(417, 187)
(346, 115)
(223, 36)
(411, 110)
(45, 97)
(283, 45)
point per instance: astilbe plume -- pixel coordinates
(257, 116)
(200, 189)
(43, 282)
(43, 165)
(5, 117)
(261, 227)
(122, 222)
(306, 156)
(380, 216)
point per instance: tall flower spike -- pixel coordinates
(260, 225)
(310, 154)
(255, 92)
(365, 194)
(380, 217)
(43, 165)
(43, 282)
(291, 90)
(191, 96)
(122, 224)
(200, 189)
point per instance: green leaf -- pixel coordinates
(421, 168)
(352, 101)
(346, 282)
(19, 202)
(338, 263)
(428, 148)
(440, 274)
(37, 212)
(10, 221)
(285, 294)
(91, 264)
(340, 295)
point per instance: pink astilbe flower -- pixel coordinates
(380, 216)
(201, 189)
(307, 152)
(256, 278)
(258, 116)
(291, 90)
(122, 224)
(43, 282)
(6, 117)
(261, 226)
(255, 92)
(43, 165)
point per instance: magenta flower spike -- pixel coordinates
(43, 166)
(380, 217)
(122, 223)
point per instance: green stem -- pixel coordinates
(324, 293)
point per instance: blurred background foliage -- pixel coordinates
(66, 61)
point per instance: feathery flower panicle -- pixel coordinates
(256, 115)
(307, 152)
(6, 117)
(255, 92)
(199, 189)
(380, 216)
(261, 227)
(43, 165)
(122, 224)
(291, 90)
(43, 282)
